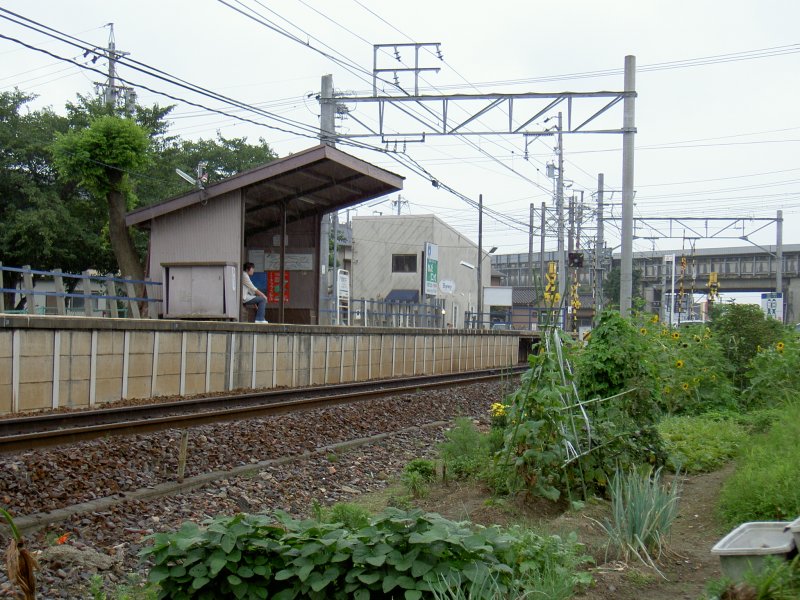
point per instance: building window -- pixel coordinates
(404, 263)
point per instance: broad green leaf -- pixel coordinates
(199, 582)
(369, 578)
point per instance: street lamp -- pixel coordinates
(492, 250)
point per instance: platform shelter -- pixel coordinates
(270, 215)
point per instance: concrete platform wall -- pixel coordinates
(51, 362)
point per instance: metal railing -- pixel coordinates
(113, 286)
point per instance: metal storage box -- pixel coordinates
(200, 291)
(746, 547)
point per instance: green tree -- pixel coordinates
(612, 283)
(100, 159)
(46, 223)
(742, 329)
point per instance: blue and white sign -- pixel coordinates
(772, 305)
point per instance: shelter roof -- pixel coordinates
(316, 180)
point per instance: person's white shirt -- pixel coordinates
(248, 289)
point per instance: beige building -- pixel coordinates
(417, 258)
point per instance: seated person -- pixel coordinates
(251, 295)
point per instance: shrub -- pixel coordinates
(351, 516)
(415, 483)
(466, 450)
(742, 329)
(774, 374)
(766, 484)
(702, 443)
(408, 553)
(426, 468)
(642, 512)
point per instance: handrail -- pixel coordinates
(28, 291)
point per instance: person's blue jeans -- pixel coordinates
(261, 306)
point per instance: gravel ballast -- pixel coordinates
(254, 470)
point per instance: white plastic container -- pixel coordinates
(746, 547)
(794, 527)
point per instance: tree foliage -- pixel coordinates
(100, 159)
(611, 285)
(63, 222)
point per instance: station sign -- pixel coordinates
(772, 305)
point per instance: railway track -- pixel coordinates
(54, 429)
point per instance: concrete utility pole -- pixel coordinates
(530, 248)
(480, 260)
(598, 248)
(327, 107)
(111, 91)
(562, 267)
(779, 253)
(541, 248)
(629, 130)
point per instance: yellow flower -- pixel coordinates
(679, 364)
(497, 409)
(667, 390)
(676, 335)
(643, 331)
(696, 338)
(713, 377)
(758, 348)
(685, 386)
(780, 346)
(696, 380)
(654, 319)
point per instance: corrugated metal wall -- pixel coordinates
(202, 233)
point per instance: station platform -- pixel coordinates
(47, 362)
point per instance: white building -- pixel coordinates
(417, 258)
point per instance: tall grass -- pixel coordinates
(698, 444)
(643, 509)
(766, 485)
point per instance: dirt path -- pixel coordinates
(687, 568)
(689, 565)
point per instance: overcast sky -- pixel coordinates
(717, 82)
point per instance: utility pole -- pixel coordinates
(530, 248)
(571, 228)
(480, 260)
(629, 130)
(562, 267)
(779, 254)
(541, 248)
(399, 203)
(327, 107)
(335, 269)
(598, 249)
(111, 91)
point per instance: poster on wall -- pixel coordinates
(431, 269)
(274, 286)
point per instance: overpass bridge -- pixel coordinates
(739, 269)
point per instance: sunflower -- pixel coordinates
(780, 346)
(696, 338)
(676, 335)
(685, 386)
(654, 319)
(695, 380)
(679, 364)
(667, 390)
(643, 331)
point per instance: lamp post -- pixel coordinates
(492, 250)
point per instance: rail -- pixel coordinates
(89, 299)
(22, 433)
